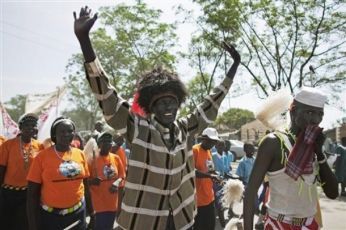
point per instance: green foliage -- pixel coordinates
(15, 107)
(280, 40)
(234, 118)
(130, 41)
(198, 88)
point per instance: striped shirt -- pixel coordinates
(160, 180)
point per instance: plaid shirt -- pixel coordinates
(160, 180)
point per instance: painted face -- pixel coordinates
(64, 133)
(105, 144)
(165, 110)
(29, 129)
(305, 115)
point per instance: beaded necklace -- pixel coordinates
(61, 158)
(25, 153)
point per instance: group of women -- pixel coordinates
(61, 186)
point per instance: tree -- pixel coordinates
(234, 118)
(198, 88)
(131, 40)
(15, 107)
(282, 43)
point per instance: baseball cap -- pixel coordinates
(211, 133)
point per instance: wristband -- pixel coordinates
(117, 182)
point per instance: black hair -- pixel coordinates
(247, 146)
(55, 123)
(159, 81)
(103, 135)
(26, 118)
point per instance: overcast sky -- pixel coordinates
(37, 40)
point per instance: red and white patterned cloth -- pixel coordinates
(273, 224)
(301, 157)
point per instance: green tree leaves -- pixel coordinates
(130, 41)
(234, 118)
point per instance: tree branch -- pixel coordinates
(314, 46)
(255, 78)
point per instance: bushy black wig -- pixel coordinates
(159, 81)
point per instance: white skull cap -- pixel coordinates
(311, 96)
(211, 133)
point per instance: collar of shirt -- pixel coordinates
(165, 133)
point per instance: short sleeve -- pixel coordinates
(35, 170)
(121, 170)
(240, 171)
(4, 154)
(85, 166)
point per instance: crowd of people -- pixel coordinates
(171, 173)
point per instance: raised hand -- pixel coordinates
(232, 51)
(319, 143)
(83, 24)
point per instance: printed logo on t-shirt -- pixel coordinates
(108, 171)
(69, 169)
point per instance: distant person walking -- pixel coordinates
(106, 181)
(340, 165)
(205, 174)
(246, 163)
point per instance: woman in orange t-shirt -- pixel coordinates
(16, 156)
(106, 182)
(118, 149)
(2, 139)
(56, 187)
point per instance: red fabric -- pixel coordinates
(136, 108)
(272, 224)
(75, 143)
(301, 156)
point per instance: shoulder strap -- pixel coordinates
(285, 145)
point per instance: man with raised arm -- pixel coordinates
(159, 189)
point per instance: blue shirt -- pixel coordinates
(244, 168)
(219, 163)
(228, 159)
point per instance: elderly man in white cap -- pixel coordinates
(294, 163)
(205, 173)
(16, 156)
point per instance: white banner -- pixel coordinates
(8, 128)
(48, 106)
(45, 121)
(36, 103)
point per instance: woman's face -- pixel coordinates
(105, 145)
(29, 129)
(165, 110)
(64, 133)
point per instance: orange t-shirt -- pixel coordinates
(204, 186)
(2, 139)
(11, 156)
(109, 168)
(57, 190)
(121, 153)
